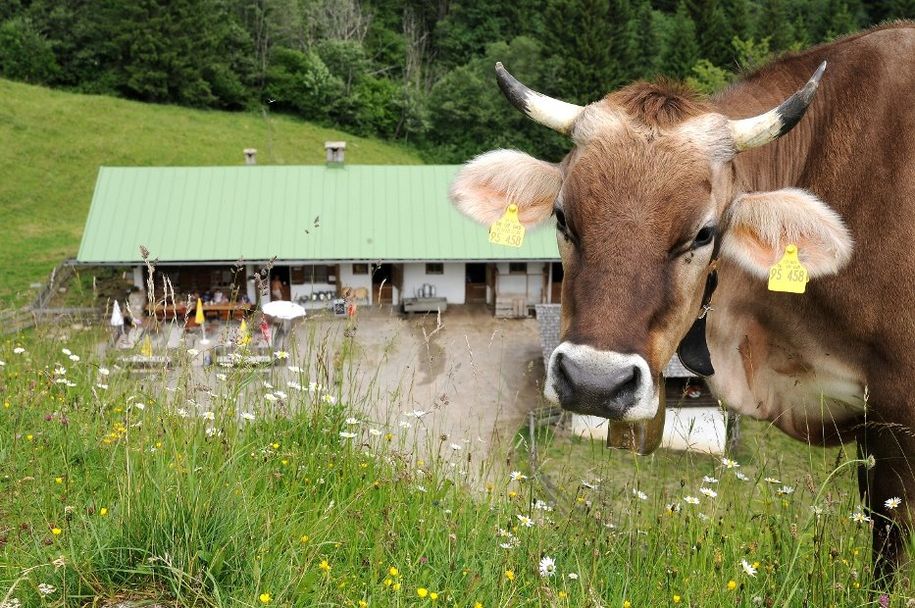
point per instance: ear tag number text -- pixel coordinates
(507, 230)
(788, 274)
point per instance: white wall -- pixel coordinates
(529, 284)
(348, 279)
(449, 285)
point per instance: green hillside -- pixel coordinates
(52, 144)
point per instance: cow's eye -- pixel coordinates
(560, 219)
(704, 237)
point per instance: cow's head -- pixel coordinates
(643, 205)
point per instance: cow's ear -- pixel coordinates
(487, 185)
(760, 225)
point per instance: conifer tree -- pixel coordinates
(681, 50)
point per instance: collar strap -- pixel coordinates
(693, 349)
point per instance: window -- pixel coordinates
(360, 268)
(301, 275)
(435, 268)
(517, 268)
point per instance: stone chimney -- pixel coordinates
(250, 156)
(334, 151)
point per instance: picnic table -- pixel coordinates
(224, 310)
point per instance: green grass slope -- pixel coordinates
(52, 144)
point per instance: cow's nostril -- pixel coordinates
(626, 384)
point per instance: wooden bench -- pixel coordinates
(412, 305)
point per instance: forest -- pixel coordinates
(415, 71)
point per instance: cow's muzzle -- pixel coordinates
(601, 383)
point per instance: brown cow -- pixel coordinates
(661, 183)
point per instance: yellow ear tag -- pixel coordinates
(788, 274)
(507, 230)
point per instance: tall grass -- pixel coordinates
(161, 487)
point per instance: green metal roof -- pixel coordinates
(222, 214)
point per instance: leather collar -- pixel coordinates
(693, 349)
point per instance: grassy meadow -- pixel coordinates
(227, 486)
(54, 143)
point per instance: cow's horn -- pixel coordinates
(553, 113)
(764, 128)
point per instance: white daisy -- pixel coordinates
(270, 397)
(693, 500)
(639, 494)
(456, 447)
(18, 350)
(347, 435)
(280, 395)
(547, 566)
(375, 432)
(281, 354)
(860, 518)
(785, 490)
(193, 352)
(104, 371)
(892, 503)
(295, 369)
(66, 351)
(74, 358)
(352, 420)
(221, 377)
(729, 464)
(748, 568)
(415, 414)
(517, 476)
(208, 415)
(526, 521)
(247, 416)
(709, 479)
(741, 476)
(772, 480)
(573, 576)
(709, 492)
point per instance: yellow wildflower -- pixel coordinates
(422, 592)
(56, 531)
(388, 582)
(732, 585)
(396, 587)
(304, 538)
(58, 480)
(363, 604)
(677, 599)
(29, 437)
(276, 446)
(393, 571)
(265, 598)
(433, 596)
(324, 566)
(627, 604)
(510, 575)
(478, 605)
(563, 595)
(103, 511)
